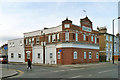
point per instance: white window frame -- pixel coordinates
(12, 55)
(67, 25)
(84, 37)
(13, 44)
(49, 38)
(76, 36)
(58, 36)
(95, 39)
(53, 37)
(19, 55)
(38, 55)
(37, 40)
(75, 54)
(97, 55)
(26, 41)
(110, 38)
(51, 56)
(107, 37)
(92, 38)
(90, 56)
(58, 55)
(85, 55)
(29, 40)
(66, 36)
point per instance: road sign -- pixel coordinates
(5, 47)
(60, 50)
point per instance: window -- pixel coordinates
(26, 41)
(37, 40)
(19, 55)
(97, 55)
(86, 29)
(67, 25)
(107, 37)
(110, 38)
(13, 44)
(58, 55)
(95, 40)
(53, 38)
(51, 55)
(111, 47)
(33, 40)
(84, 55)
(106, 46)
(29, 40)
(38, 55)
(49, 38)
(84, 37)
(67, 36)
(92, 38)
(75, 55)
(12, 55)
(21, 43)
(58, 37)
(76, 37)
(90, 55)
(10, 44)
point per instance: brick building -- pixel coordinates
(64, 44)
(106, 45)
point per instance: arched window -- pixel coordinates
(75, 55)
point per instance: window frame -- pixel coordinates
(66, 25)
(90, 56)
(51, 56)
(85, 56)
(75, 55)
(66, 36)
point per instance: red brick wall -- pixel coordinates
(67, 56)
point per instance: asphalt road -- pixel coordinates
(104, 71)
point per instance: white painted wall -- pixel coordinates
(16, 49)
(37, 49)
(50, 49)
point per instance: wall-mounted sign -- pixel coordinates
(60, 50)
(86, 29)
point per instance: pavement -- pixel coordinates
(6, 73)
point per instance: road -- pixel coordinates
(102, 71)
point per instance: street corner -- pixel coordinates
(11, 73)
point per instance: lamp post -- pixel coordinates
(113, 38)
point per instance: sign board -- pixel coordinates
(60, 50)
(5, 47)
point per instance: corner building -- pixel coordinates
(64, 44)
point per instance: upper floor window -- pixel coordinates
(110, 38)
(20, 42)
(106, 46)
(10, 44)
(84, 37)
(37, 40)
(58, 37)
(33, 40)
(107, 37)
(95, 40)
(26, 41)
(13, 44)
(75, 55)
(29, 40)
(49, 38)
(92, 38)
(67, 25)
(67, 36)
(76, 37)
(53, 38)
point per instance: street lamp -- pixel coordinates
(113, 38)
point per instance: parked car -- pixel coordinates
(3, 59)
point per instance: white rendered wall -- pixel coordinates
(16, 49)
(36, 50)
